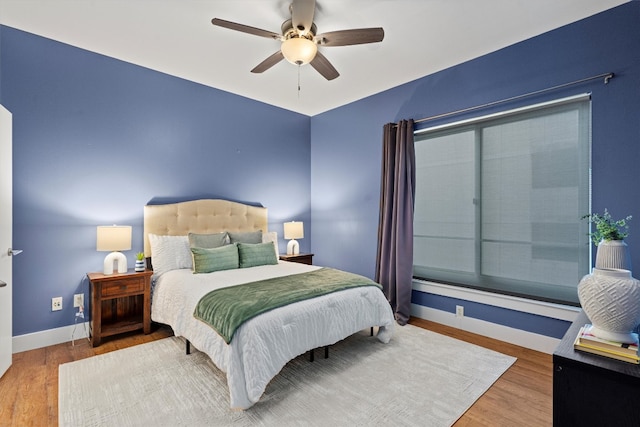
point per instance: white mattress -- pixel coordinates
(263, 345)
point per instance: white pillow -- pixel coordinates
(169, 253)
(271, 236)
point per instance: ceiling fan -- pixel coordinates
(300, 39)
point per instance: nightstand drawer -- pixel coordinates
(122, 288)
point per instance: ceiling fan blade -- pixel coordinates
(245, 29)
(324, 67)
(269, 62)
(302, 12)
(350, 37)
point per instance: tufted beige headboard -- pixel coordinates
(201, 216)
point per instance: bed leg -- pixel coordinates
(372, 331)
(311, 356)
(188, 347)
(326, 351)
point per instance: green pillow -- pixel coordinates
(207, 240)
(207, 260)
(246, 237)
(252, 255)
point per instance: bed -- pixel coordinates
(262, 345)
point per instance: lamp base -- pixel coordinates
(293, 248)
(115, 259)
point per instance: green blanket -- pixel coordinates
(227, 308)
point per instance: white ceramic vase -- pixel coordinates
(613, 254)
(611, 299)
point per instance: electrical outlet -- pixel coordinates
(78, 300)
(56, 303)
(459, 311)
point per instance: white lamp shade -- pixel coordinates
(113, 238)
(293, 230)
(299, 50)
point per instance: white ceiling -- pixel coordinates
(176, 37)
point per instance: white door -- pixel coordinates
(6, 224)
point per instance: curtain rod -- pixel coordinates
(606, 76)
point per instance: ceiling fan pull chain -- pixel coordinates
(299, 81)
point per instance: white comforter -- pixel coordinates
(263, 345)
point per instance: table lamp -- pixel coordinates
(114, 238)
(293, 230)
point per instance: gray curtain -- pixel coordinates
(394, 260)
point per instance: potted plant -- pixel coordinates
(608, 237)
(606, 228)
(140, 264)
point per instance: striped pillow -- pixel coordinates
(252, 255)
(207, 260)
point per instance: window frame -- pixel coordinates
(531, 290)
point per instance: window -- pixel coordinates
(499, 201)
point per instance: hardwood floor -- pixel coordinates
(29, 389)
(522, 396)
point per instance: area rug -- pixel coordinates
(420, 378)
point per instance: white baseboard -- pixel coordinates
(49, 337)
(492, 330)
(515, 336)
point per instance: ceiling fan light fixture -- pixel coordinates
(299, 50)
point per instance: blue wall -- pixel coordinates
(346, 143)
(96, 138)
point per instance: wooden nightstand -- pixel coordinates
(120, 302)
(300, 258)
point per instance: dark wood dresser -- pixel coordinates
(591, 390)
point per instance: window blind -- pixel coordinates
(499, 201)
